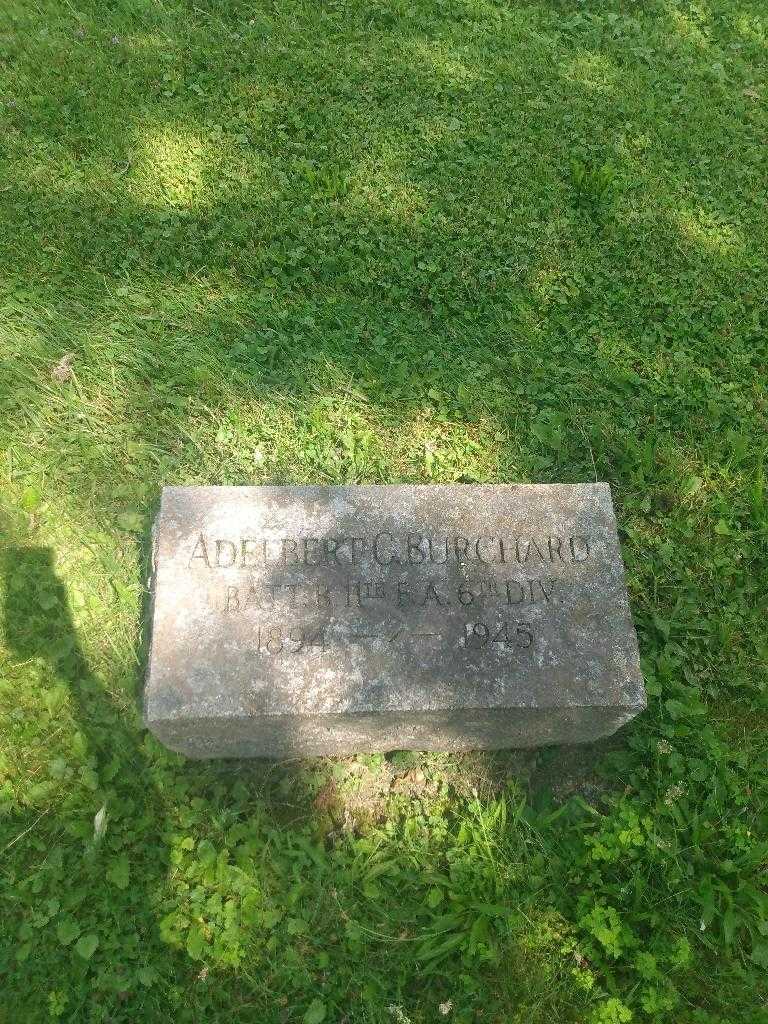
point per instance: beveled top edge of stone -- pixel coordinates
(588, 484)
(601, 487)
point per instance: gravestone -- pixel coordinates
(294, 621)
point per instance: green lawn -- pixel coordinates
(383, 240)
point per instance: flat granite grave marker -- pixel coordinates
(295, 621)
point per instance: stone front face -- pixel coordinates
(295, 621)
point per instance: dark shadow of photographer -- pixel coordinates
(38, 625)
(113, 763)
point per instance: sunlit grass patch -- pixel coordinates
(174, 168)
(708, 232)
(593, 71)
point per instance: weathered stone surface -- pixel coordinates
(330, 620)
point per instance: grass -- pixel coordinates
(383, 241)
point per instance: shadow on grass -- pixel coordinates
(107, 748)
